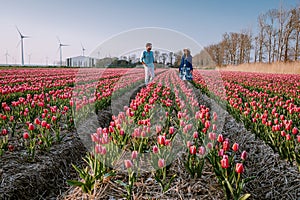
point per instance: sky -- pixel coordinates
(94, 22)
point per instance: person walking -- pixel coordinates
(147, 59)
(186, 67)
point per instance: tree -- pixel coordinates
(171, 57)
(164, 57)
(156, 55)
(178, 56)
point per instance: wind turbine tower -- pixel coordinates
(83, 49)
(22, 44)
(60, 50)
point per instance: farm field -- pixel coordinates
(226, 135)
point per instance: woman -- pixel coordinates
(186, 67)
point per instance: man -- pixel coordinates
(147, 59)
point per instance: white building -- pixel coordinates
(81, 61)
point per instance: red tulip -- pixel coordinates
(11, 147)
(168, 142)
(31, 127)
(54, 118)
(283, 133)
(37, 121)
(220, 138)
(25, 135)
(179, 115)
(288, 137)
(111, 129)
(244, 155)
(207, 124)
(226, 145)
(155, 149)
(11, 118)
(195, 135)
(4, 132)
(44, 123)
(295, 131)
(122, 132)
(298, 138)
(224, 163)
(235, 147)
(161, 140)
(193, 150)
(48, 126)
(239, 168)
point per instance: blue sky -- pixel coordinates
(91, 22)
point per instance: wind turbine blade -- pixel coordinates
(83, 49)
(19, 31)
(26, 36)
(18, 44)
(58, 39)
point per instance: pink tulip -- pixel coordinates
(128, 164)
(134, 155)
(161, 163)
(212, 136)
(171, 130)
(202, 150)
(158, 129)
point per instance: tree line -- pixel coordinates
(277, 39)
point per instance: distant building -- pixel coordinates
(81, 61)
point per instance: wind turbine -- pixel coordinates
(83, 49)
(22, 45)
(60, 49)
(6, 55)
(29, 58)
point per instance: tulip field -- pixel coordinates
(268, 105)
(165, 143)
